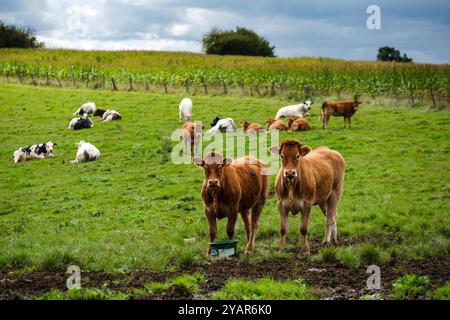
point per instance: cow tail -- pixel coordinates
(322, 112)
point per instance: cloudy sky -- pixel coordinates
(296, 28)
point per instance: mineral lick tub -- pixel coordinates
(223, 248)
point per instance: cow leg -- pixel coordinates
(345, 122)
(327, 119)
(284, 224)
(349, 122)
(246, 218)
(331, 233)
(231, 224)
(212, 229)
(304, 227)
(254, 224)
(324, 207)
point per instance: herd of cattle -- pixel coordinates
(306, 177)
(85, 150)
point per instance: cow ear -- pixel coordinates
(227, 161)
(305, 150)
(199, 161)
(275, 150)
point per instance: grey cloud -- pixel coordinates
(309, 27)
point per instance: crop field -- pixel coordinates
(178, 72)
(123, 219)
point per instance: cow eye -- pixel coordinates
(297, 156)
(282, 157)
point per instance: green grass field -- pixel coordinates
(133, 208)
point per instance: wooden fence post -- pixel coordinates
(432, 96)
(205, 87)
(186, 85)
(131, 84)
(114, 87)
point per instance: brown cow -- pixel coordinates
(273, 124)
(306, 178)
(298, 124)
(344, 109)
(251, 127)
(191, 136)
(230, 188)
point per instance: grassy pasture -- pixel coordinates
(132, 208)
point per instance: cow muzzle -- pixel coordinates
(290, 174)
(213, 183)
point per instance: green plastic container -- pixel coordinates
(223, 248)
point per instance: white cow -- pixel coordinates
(88, 107)
(185, 109)
(296, 110)
(86, 152)
(223, 125)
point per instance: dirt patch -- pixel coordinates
(331, 280)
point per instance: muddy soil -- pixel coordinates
(330, 280)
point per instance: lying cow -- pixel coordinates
(81, 123)
(306, 178)
(192, 133)
(223, 125)
(185, 109)
(344, 109)
(230, 188)
(36, 151)
(86, 152)
(110, 115)
(296, 110)
(279, 125)
(88, 107)
(298, 124)
(248, 127)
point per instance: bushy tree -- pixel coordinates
(391, 54)
(14, 37)
(241, 41)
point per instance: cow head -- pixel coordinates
(290, 151)
(79, 144)
(49, 145)
(307, 105)
(357, 103)
(245, 125)
(213, 165)
(270, 121)
(214, 122)
(85, 116)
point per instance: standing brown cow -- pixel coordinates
(306, 178)
(344, 109)
(298, 124)
(192, 133)
(273, 124)
(230, 188)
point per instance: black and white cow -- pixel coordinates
(81, 123)
(36, 151)
(110, 115)
(88, 107)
